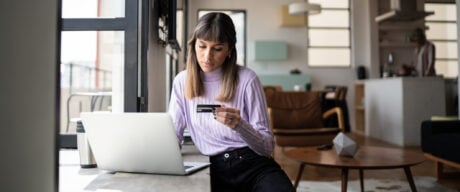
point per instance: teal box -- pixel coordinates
(270, 50)
(286, 81)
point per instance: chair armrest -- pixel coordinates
(270, 118)
(339, 113)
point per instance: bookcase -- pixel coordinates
(359, 107)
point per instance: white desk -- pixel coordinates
(74, 179)
(396, 107)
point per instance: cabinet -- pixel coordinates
(359, 107)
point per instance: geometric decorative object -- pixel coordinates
(344, 146)
(270, 50)
(303, 8)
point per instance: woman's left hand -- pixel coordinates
(228, 116)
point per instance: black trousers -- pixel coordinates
(244, 170)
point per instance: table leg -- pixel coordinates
(410, 179)
(361, 181)
(344, 179)
(299, 175)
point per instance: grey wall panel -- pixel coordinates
(28, 95)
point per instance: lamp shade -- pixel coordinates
(301, 8)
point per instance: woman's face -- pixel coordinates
(211, 55)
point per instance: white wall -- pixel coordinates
(263, 23)
(28, 95)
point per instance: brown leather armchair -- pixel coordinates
(296, 119)
(269, 89)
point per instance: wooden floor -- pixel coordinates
(332, 174)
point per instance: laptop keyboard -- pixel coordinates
(188, 166)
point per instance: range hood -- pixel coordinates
(403, 10)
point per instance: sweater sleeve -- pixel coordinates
(176, 109)
(255, 131)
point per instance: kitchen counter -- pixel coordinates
(396, 107)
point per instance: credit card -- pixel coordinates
(206, 108)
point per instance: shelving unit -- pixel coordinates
(394, 38)
(359, 107)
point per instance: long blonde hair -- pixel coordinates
(217, 27)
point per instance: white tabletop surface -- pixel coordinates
(72, 178)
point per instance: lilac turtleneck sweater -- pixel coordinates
(212, 137)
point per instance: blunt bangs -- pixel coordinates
(212, 32)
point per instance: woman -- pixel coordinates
(424, 54)
(236, 136)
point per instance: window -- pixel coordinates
(99, 59)
(239, 20)
(442, 31)
(329, 35)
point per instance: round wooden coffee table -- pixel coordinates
(367, 157)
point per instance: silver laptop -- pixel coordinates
(136, 142)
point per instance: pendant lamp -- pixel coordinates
(302, 8)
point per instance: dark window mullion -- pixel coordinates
(441, 21)
(131, 58)
(446, 59)
(444, 40)
(93, 24)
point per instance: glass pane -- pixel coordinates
(179, 27)
(332, 3)
(329, 18)
(93, 8)
(91, 74)
(323, 57)
(442, 12)
(322, 37)
(446, 50)
(446, 31)
(239, 20)
(447, 68)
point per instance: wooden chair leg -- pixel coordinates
(299, 175)
(439, 169)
